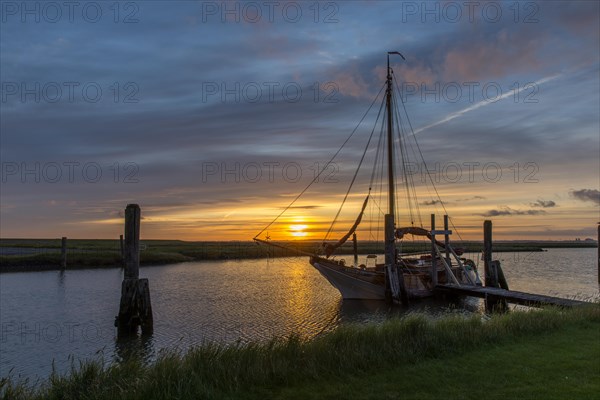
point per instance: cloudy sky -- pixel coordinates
(214, 115)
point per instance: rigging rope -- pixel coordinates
(378, 169)
(324, 168)
(362, 158)
(407, 176)
(408, 183)
(379, 142)
(424, 163)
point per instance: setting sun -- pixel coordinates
(298, 230)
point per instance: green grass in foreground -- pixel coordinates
(548, 354)
(563, 364)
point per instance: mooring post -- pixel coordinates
(63, 253)
(355, 249)
(493, 272)
(487, 262)
(132, 241)
(434, 280)
(499, 275)
(447, 246)
(487, 253)
(135, 308)
(122, 251)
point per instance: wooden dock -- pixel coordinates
(511, 296)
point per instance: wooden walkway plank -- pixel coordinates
(512, 296)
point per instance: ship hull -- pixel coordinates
(360, 284)
(351, 287)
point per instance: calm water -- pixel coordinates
(57, 317)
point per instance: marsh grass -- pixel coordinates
(51, 261)
(219, 371)
(98, 253)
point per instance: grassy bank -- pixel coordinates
(110, 259)
(568, 369)
(540, 354)
(41, 254)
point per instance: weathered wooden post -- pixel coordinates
(135, 308)
(598, 252)
(447, 246)
(434, 277)
(487, 253)
(122, 250)
(490, 303)
(499, 275)
(63, 253)
(492, 271)
(355, 249)
(132, 241)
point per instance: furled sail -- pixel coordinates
(330, 248)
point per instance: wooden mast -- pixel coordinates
(390, 248)
(390, 141)
(395, 280)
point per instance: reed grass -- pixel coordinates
(225, 371)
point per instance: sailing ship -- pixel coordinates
(402, 276)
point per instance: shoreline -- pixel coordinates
(34, 255)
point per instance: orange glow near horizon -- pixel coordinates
(467, 207)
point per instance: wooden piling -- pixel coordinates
(502, 282)
(447, 245)
(132, 241)
(434, 277)
(63, 253)
(145, 306)
(135, 308)
(355, 249)
(122, 245)
(493, 272)
(487, 254)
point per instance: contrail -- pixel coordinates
(483, 103)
